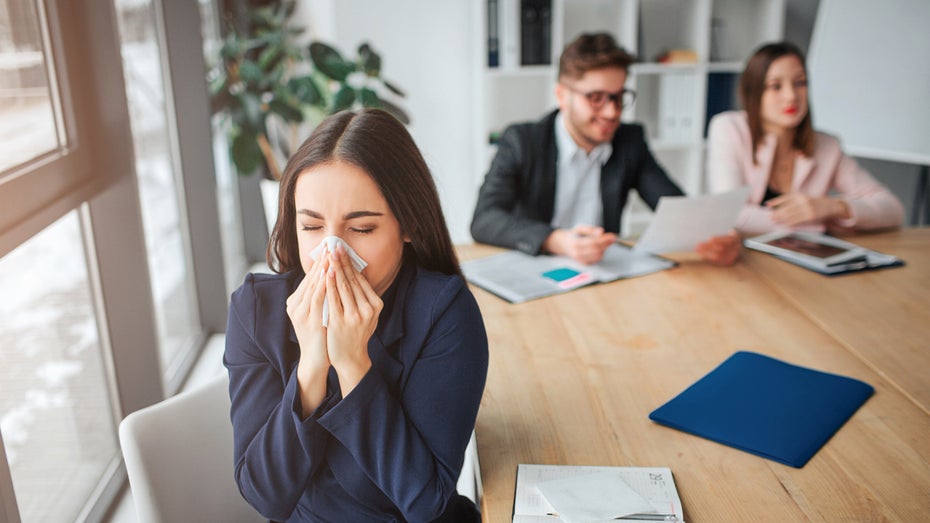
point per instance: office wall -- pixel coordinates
(799, 21)
(426, 49)
(901, 178)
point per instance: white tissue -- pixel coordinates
(331, 242)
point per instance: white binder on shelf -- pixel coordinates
(509, 41)
(676, 107)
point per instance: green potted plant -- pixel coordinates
(270, 88)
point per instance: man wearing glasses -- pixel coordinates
(560, 184)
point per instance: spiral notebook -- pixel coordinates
(765, 406)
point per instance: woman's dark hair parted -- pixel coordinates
(379, 144)
(752, 85)
(592, 51)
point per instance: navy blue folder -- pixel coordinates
(765, 406)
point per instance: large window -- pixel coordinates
(166, 244)
(55, 411)
(27, 103)
(100, 240)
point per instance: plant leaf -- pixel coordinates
(330, 62)
(231, 47)
(250, 72)
(262, 17)
(286, 11)
(217, 84)
(251, 110)
(370, 60)
(286, 109)
(305, 89)
(398, 113)
(343, 99)
(369, 98)
(271, 56)
(245, 152)
(393, 88)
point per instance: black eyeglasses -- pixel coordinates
(597, 99)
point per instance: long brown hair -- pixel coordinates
(380, 145)
(752, 85)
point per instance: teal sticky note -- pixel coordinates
(562, 274)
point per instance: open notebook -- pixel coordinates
(517, 277)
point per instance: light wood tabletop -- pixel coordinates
(883, 316)
(573, 378)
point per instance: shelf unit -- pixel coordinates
(674, 101)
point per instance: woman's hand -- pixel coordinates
(305, 309)
(796, 208)
(721, 250)
(354, 307)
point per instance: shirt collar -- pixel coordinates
(568, 148)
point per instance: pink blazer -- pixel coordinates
(729, 165)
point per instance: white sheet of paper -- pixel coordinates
(587, 498)
(682, 222)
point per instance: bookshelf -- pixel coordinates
(674, 100)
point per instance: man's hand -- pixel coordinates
(584, 243)
(721, 250)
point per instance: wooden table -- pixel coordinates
(883, 317)
(572, 380)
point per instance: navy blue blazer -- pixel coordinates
(517, 199)
(392, 450)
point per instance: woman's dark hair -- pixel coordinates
(379, 144)
(752, 85)
(592, 51)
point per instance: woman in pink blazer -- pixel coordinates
(798, 178)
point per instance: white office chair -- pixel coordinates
(179, 457)
(469, 483)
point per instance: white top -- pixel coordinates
(578, 181)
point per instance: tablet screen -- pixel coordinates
(807, 247)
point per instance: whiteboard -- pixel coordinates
(869, 73)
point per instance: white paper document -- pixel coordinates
(682, 222)
(601, 496)
(628, 493)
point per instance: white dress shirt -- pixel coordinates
(578, 181)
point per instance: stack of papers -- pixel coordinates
(581, 494)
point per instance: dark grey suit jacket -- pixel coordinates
(517, 198)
